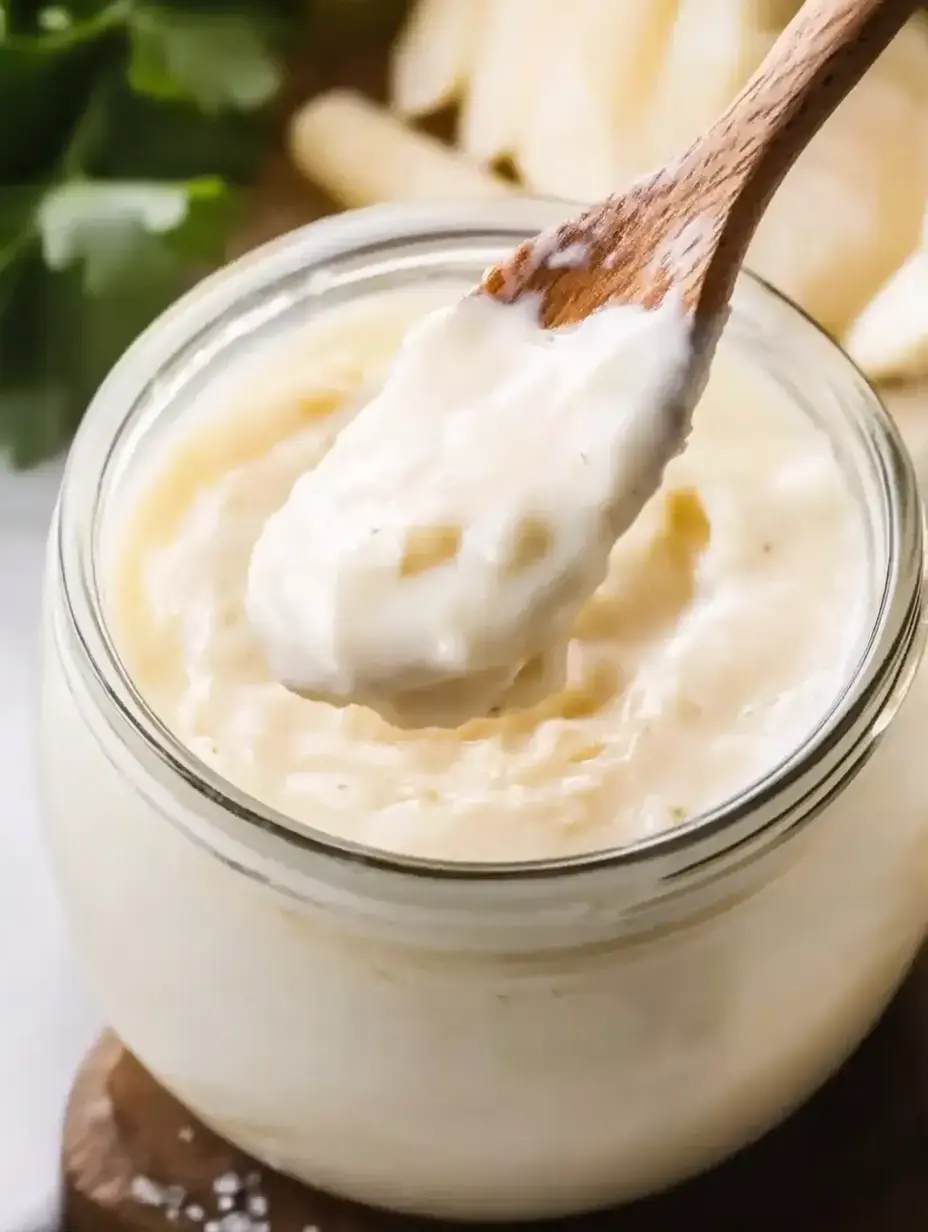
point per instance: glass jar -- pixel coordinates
(484, 1041)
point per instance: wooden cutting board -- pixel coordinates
(855, 1159)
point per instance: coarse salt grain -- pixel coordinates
(195, 1213)
(236, 1221)
(226, 1202)
(228, 1183)
(146, 1192)
(257, 1205)
(185, 1134)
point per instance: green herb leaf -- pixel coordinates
(45, 82)
(218, 60)
(124, 123)
(103, 224)
(148, 138)
(36, 418)
(107, 258)
(37, 405)
(17, 234)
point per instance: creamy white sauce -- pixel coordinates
(721, 634)
(431, 566)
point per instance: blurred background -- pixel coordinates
(142, 144)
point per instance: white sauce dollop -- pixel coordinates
(432, 565)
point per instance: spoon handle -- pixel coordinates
(737, 166)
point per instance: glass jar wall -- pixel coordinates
(490, 1041)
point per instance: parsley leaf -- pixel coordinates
(149, 138)
(218, 60)
(135, 123)
(17, 210)
(45, 83)
(103, 224)
(105, 259)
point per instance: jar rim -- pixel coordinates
(790, 793)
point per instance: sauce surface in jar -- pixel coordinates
(722, 634)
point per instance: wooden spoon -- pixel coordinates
(688, 225)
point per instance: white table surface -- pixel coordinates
(46, 1018)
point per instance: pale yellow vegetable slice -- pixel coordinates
(849, 213)
(889, 339)
(714, 47)
(361, 154)
(568, 143)
(625, 43)
(570, 150)
(773, 15)
(907, 57)
(580, 139)
(513, 58)
(435, 54)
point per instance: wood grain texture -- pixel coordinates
(689, 224)
(852, 1160)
